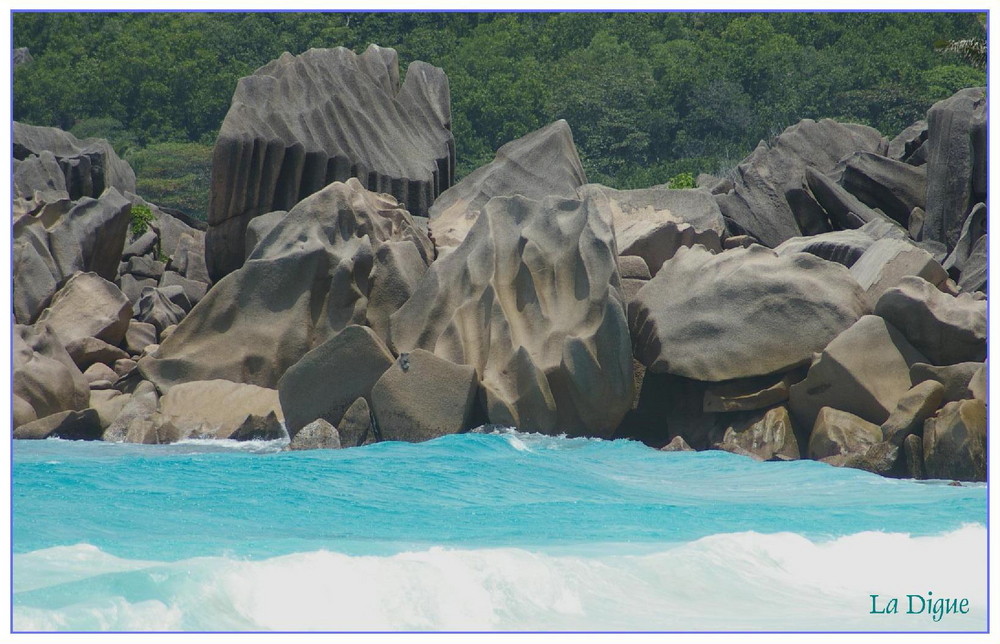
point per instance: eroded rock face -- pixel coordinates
(956, 163)
(308, 279)
(655, 222)
(532, 300)
(302, 122)
(745, 312)
(764, 437)
(838, 434)
(45, 376)
(216, 408)
(540, 164)
(955, 442)
(89, 166)
(759, 202)
(893, 187)
(946, 329)
(864, 371)
(88, 306)
(888, 261)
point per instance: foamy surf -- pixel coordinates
(738, 581)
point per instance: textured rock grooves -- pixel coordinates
(532, 300)
(302, 122)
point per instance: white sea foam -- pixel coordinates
(740, 581)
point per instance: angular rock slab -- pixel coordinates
(916, 405)
(655, 222)
(745, 312)
(305, 281)
(216, 408)
(88, 306)
(422, 396)
(87, 351)
(765, 437)
(888, 261)
(864, 371)
(893, 187)
(946, 329)
(956, 142)
(532, 300)
(45, 376)
(955, 442)
(748, 394)
(759, 203)
(328, 379)
(69, 425)
(302, 122)
(540, 164)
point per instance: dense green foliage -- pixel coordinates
(141, 216)
(648, 95)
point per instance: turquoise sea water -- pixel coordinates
(479, 532)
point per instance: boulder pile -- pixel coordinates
(826, 300)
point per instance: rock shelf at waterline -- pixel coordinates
(825, 301)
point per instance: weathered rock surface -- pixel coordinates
(975, 269)
(139, 336)
(259, 428)
(888, 261)
(260, 226)
(108, 403)
(677, 444)
(541, 164)
(22, 411)
(422, 396)
(977, 386)
(864, 371)
(156, 308)
(842, 246)
(395, 275)
(763, 437)
(956, 158)
(216, 408)
(98, 372)
(913, 408)
(306, 281)
(955, 378)
(532, 300)
(655, 222)
(955, 442)
(913, 455)
(87, 351)
(318, 434)
(894, 187)
(302, 122)
(758, 203)
(844, 209)
(193, 291)
(972, 230)
(946, 329)
(355, 428)
(89, 166)
(135, 419)
(44, 374)
(907, 141)
(69, 425)
(329, 378)
(39, 173)
(748, 394)
(745, 312)
(88, 306)
(88, 238)
(838, 434)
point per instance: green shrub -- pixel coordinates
(142, 216)
(681, 181)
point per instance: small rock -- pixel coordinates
(915, 406)
(913, 454)
(139, 336)
(355, 427)
(88, 351)
(259, 428)
(124, 366)
(841, 434)
(318, 434)
(677, 444)
(763, 437)
(98, 372)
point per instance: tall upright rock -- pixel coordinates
(531, 299)
(540, 164)
(302, 122)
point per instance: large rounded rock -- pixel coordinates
(745, 312)
(88, 306)
(540, 164)
(395, 276)
(422, 396)
(532, 300)
(305, 281)
(946, 329)
(956, 140)
(955, 442)
(864, 371)
(216, 408)
(302, 122)
(328, 379)
(44, 374)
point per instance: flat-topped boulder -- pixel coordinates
(308, 279)
(745, 312)
(653, 223)
(537, 165)
(532, 300)
(302, 122)
(89, 166)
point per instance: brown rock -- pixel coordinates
(747, 394)
(318, 434)
(44, 374)
(955, 442)
(98, 372)
(88, 306)
(677, 444)
(216, 408)
(259, 428)
(913, 408)
(88, 351)
(913, 454)
(69, 425)
(839, 433)
(956, 378)
(23, 413)
(764, 437)
(355, 428)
